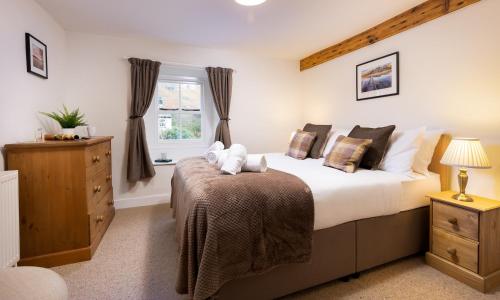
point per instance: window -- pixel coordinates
(179, 110)
(181, 120)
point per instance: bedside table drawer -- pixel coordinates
(455, 219)
(460, 251)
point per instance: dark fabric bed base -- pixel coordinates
(340, 251)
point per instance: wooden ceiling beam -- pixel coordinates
(420, 14)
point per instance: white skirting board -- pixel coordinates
(142, 201)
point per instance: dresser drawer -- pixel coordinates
(454, 219)
(461, 251)
(97, 187)
(101, 217)
(98, 157)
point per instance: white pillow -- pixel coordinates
(402, 150)
(424, 155)
(333, 137)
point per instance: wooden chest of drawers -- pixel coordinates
(65, 198)
(465, 239)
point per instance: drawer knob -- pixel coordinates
(108, 178)
(453, 221)
(96, 158)
(97, 189)
(452, 251)
(108, 153)
(111, 202)
(99, 218)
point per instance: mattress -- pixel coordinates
(416, 187)
(341, 197)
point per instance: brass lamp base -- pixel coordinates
(463, 178)
(462, 197)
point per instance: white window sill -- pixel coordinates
(175, 153)
(172, 163)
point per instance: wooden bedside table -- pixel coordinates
(465, 239)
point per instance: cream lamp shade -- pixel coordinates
(466, 153)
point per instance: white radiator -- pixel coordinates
(9, 219)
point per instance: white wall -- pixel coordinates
(450, 78)
(23, 95)
(265, 105)
(450, 72)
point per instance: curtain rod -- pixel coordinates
(178, 64)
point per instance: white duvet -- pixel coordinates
(341, 197)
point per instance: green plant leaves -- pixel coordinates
(66, 118)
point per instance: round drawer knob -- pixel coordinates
(108, 153)
(96, 158)
(111, 202)
(108, 178)
(97, 189)
(453, 221)
(99, 218)
(452, 251)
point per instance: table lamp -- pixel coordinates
(465, 153)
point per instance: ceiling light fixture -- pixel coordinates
(250, 2)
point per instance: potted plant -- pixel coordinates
(68, 120)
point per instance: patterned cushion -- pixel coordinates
(322, 132)
(301, 144)
(347, 153)
(380, 140)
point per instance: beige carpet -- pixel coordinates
(137, 260)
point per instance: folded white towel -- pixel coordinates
(213, 156)
(232, 165)
(255, 163)
(217, 146)
(223, 156)
(239, 151)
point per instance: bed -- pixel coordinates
(361, 220)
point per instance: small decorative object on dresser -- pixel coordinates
(68, 120)
(465, 239)
(65, 198)
(465, 153)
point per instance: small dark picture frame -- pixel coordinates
(378, 77)
(36, 57)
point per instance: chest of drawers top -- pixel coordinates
(480, 204)
(49, 144)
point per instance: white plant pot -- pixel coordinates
(68, 131)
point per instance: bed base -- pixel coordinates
(340, 251)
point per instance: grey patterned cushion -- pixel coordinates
(301, 144)
(347, 153)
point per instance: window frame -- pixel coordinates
(177, 149)
(201, 112)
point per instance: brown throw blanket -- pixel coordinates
(235, 226)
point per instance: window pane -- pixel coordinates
(191, 96)
(168, 95)
(168, 127)
(191, 126)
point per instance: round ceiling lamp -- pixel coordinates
(250, 2)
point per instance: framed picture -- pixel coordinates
(36, 56)
(378, 78)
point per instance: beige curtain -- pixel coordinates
(144, 74)
(221, 84)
